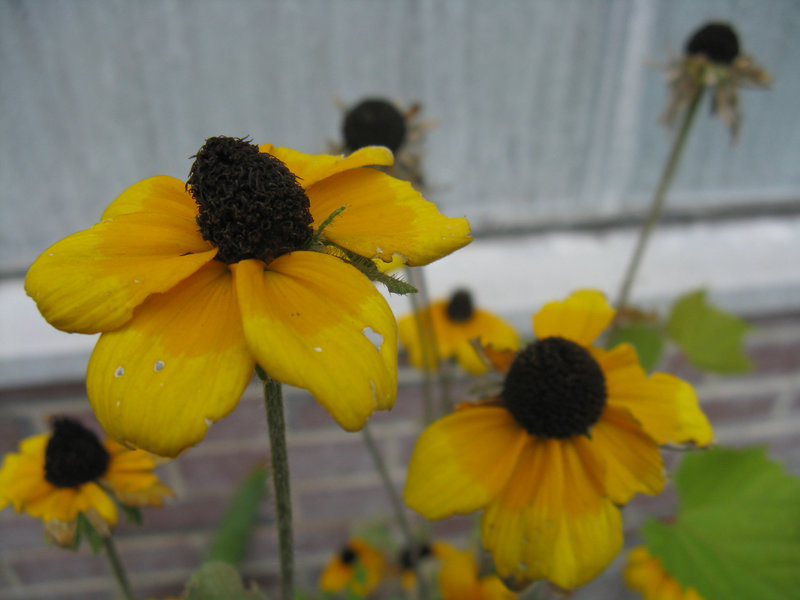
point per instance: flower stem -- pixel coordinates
(658, 200)
(116, 566)
(430, 354)
(399, 510)
(276, 424)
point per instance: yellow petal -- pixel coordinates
(311, 168)
(666, 406)
(632, 459)
(180, 364)
(492, 588)
(161, 194)
(552, 521)
(93, 280)
(455, 339)
(458, 577)
(580, 318)
(308, 319)
(463, 460)
(64, 504)
(384, 216)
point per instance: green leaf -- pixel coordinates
(218, 581)
(648, 341)
(235, 529)
(737, 533)
(710, 337)
(85, 529)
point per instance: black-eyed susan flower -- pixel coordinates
(56, 476)
(712, 59)
(456, 324)
(645, 573)
(358, 567)
(574, 433)
(459, 579)
(193, 284)
(381, 122)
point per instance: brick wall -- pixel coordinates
(333, 482)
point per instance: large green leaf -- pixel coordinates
(710, 337)
(219, 581)
(737, 533)
(234, 531)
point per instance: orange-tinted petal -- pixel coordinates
(462, 461)
(552, 520)
(308, 319)
(93, 280)
(161, 194)
(384, 216)
(580, 318)
(311, 168)
(632, 459)
(666, 406)
(456, 339)
(179, 365)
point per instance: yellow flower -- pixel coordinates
(358, 567)
(712, 59)
(458, 579)
(456, 324)
(192, 285)
(645, 573)
(56, 476)
(574, 434)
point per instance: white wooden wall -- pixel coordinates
(547, 109)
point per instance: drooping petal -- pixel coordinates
(580, 318)
(311, 168)
(22, 474)
(666, 406)
(180, 364)
(93, 280)
(64, 504)
(308, 318)
(632, 459)
(552, 520)
(384, 216)
(463, 460)
(161, 194)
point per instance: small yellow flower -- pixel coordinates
(358, 567)
(456, 326)
(193, 284)
(712, 59)
(573, 435)
(645, 574)
(458, 580)
(56, 476)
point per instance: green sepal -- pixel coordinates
(710, 338)
(366, 265)
(218, 581)
(132, 513)
(85, 529)
(315, 239)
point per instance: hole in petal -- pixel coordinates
(119, 372)
(373, 336)
(159, 364)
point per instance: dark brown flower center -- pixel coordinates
(374, 122)
(250, 205)
(460, 309)
(408, 559)
(74, 455)
(717, 41)
(348, 556)
(555, 389)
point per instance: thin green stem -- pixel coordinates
(276, 424)
(430, 355)
(116, 566)
(399, 510)
(658, 201)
